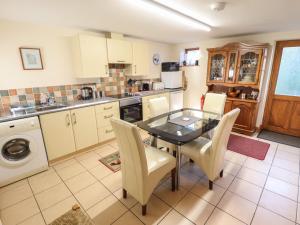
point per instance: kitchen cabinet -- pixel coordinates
(58, 134)
(216, 66)
(84, 127)
(90, 56)
(119, 51)
(146, 105)
(141, 59)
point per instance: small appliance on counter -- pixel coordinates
(86, 93)
(171, 76)
(156, 86)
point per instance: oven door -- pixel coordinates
(132, 113)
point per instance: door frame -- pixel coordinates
(273, 81)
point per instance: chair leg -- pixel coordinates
(144, 209)
(124, 193)
(211, 185)
(173, 175)
(191, 161)
(221, 173)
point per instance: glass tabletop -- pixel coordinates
(180, 126)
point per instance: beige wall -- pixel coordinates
(197, 76)
(55, 44)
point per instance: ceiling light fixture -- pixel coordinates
(171, 14)
(218, 6)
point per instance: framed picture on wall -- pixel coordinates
(31, 58)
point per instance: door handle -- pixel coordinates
(74, 118)
(135, 69)
(109, 116)
(120, 61)
(68, 123)
(107, 108)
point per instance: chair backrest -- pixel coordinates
(132, 154)
(220, 140)
(159, 106)
(214, 103)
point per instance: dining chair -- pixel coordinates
(209, 154)
(214, 103)
(157, 107)
(142, 167)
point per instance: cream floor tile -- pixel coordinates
(289, 148)
(284, 175)
(298, 214)
(70, 171)
(282, 188)
(19, 212)
(238, 207)
(44, 180)
(175, 218)
(105, 150)
(235, 157)
(34, 220)
(86, 155)
(64, 163)
(224, 181)
(231, 168)
(279, 204)
(129, 202)
(212, 196)
(187, 181)
(128, 219)
(91, 161)
(156, 211)
(264, 216)
(165, 193)
(15, 195)
(192, 168)
(91, 195)
(194, 208)
(219, 217)
(52, 196)
(271, 153)
(252, 176)
(13, 186)
(58, 209)
(286, 164)
(287, 156)
(107, 211)
(100, 171)
(257, 165)
(113, 181)
(114, 144)
(246, 190)
(80, 181)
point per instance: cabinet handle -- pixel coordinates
(68, 123)
(110, 116)
(108, 131)
(135, 69)
(107, 108)
(74, 118)
(106, 69)
(120, 60)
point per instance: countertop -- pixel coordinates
(8, 116)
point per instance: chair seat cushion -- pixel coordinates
(196, 148)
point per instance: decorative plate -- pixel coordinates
(156, 59)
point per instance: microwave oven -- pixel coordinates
(169, 66)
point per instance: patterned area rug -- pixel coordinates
(247, 146)
(73, 217)
(112, 161)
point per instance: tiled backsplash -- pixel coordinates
(114, 84)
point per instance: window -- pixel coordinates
(190, 57)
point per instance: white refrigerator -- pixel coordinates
(172, 79)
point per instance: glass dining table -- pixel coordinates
(179, 127)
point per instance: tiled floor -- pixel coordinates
(251, 192)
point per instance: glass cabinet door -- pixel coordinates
(249, 66)
(217, 62)
(231, 70)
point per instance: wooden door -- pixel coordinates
(282, 112)
(84, 127)
(58, 134)
(141, 59)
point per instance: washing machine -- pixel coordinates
(22, 150)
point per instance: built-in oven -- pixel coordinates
(131, 109)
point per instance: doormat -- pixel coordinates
(112, 161)
(280, 138)
(247, 146)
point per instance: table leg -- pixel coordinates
(178, 164)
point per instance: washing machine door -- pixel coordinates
(16, 150)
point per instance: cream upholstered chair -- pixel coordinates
(160, 106)
(142, 167)
(214, 103)
(209, 154)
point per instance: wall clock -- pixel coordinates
(156, 59)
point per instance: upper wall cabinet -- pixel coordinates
(141, 58)
(236, 64)
(119, 51)
(90, 56)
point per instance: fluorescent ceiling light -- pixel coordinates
(170, 13)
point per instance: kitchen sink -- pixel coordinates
(31, 108)
(48, 107)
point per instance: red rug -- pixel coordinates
(247, 146)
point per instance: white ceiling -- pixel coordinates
(128, 17)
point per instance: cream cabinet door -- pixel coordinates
(119, 51)
(58, 134)
(140, 64)
(84, 127)
(91, 56)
